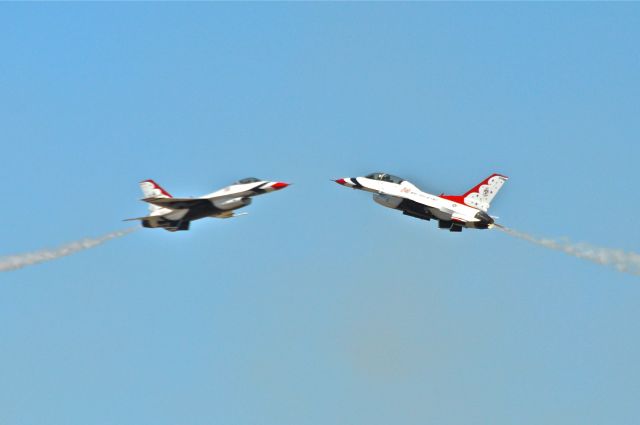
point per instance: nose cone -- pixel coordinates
(351, 182)
(279, 185)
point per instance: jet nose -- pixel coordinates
(279, 185)
(348, 182)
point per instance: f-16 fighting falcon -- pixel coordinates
(452, 212)
(174, 214)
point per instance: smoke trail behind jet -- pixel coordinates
(13, 262)
(628, 262)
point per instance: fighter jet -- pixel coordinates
(174, 214)
(453, 212)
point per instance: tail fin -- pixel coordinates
(482, 194)
(151, 189)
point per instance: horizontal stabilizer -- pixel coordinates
(138, 218)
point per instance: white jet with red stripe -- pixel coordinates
(175, 214)
(453, 212)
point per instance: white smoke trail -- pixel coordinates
(628, 262)
(13, 262)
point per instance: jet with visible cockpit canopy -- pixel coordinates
(175, 214)
(453, 212)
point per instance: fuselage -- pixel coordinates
(396, 193)
(178, 213)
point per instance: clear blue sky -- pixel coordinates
(319, 307)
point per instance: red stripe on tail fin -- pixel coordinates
(480, 195)
(152, 185)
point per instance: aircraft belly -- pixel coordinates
(176, 214)
(202, 210)
(440, 215)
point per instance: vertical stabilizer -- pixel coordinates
(481, 195)
(151, 189)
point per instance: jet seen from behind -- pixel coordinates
(452, 212)
(174, 214)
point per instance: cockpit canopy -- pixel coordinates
(248, 180)
(385, 177)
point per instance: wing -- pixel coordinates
(415, 207)
(176, 203)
